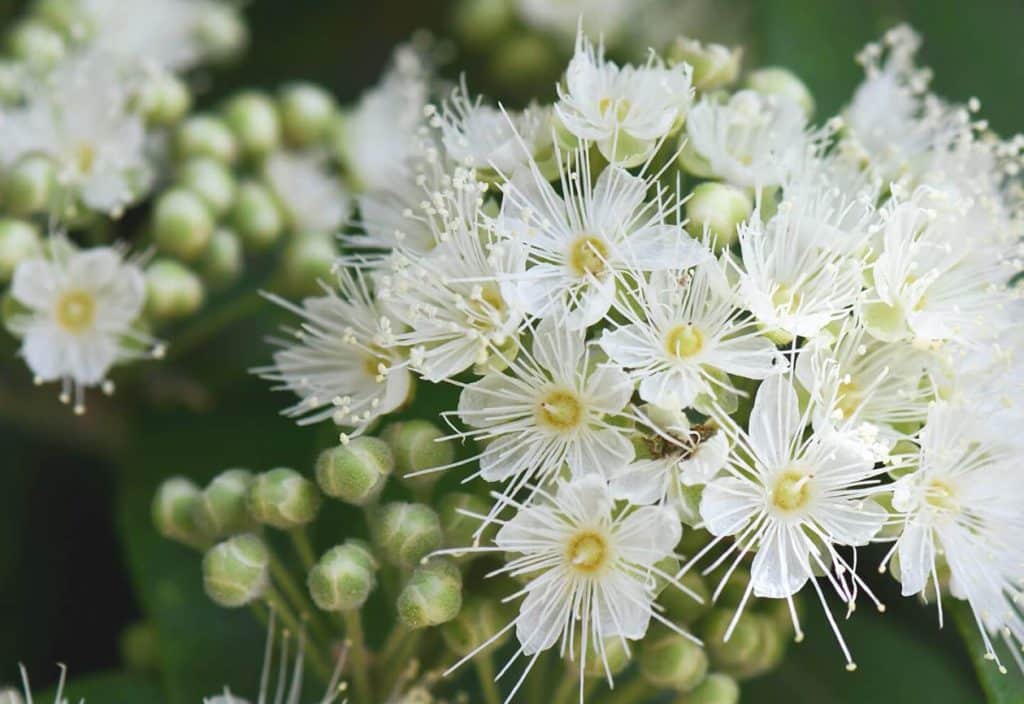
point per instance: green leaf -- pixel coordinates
(999, 688)
(108, 688)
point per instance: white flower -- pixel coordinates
(15, 696)
(751, 140)
(684, 334)
(792, 498)
(581, 241)
(961, 509)
(342, 363)
(81, 307)
(312, 197)
(83, 119)
(629, 110)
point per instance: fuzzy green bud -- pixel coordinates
(772, 647)
(343, 578)
(716, 688)
(719, 209)
(223, 507)
(256, 216)
(182, 224)
(174, 511)
(283, 498)
(306, 113)
(680, 607)
(29, 185)
(615, 654)
(306, 261)
(211, 180)
(432, 596)
(458, 527)
(236, 572)
(357, 472)
(18, 241)
(205, 135)
(408, 532)
(741, 649)
(165, 99)
(253, 119)
(36, 44)
(222, 262)
(417, 446)
(481, 22)
(222, 31)
(479, 619)
(714, 66)
(775, 80)
(670, 661)
(172, 290)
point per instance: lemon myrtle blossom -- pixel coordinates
(312, 197)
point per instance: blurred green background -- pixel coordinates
(79, 560)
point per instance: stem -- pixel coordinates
(485, 673)
(316, 660)
(303, 546)
(284, 579)
(360, 662)
(211, 324)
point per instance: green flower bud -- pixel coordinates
(459, 528)
(771, 651)
(670, 661)
(140, 647)
(408, 532)
(616, 654)
(742, 647)
(714, 66)
(682, 608)
(715, 689)
(174, 512)
(283, 498)
(212, 181)
(343, 578)
(306, 261)
(18, 241)
(172, 290)
(306, 113)
(223, 507)
(204, 135)
(222, 31)
(432, 596)
(164, 99)
(478, 620)
(718, 208)
(236, 572)
(253, 119)
(182, 224)
(482, 22)
(417, 447)
(775, 80)
(37, 44)
(357, 472)
(29, 186)
(222, 262)
(257, 216)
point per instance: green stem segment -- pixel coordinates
(297, 595)
(485, 673)
(313, 655)
(360, 659)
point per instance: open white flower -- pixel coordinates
(684, 335)
(961, 510)
(311, 196)
(792, 498)
(342, 362)
(80, 309)
(626, 110)
(82, 117)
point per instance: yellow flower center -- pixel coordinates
(588, 255)
(940, 495)
(375, 365)
(560, 410)
(684, 341)
(75, 311)
(786, 297)
(587, 552)
(792, 490)
(620, 107)
(85, 156)
(847, 398)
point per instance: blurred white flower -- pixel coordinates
(312, 197)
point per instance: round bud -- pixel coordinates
(458, 527)
(481, 22)
(670, 661)
(356, 472)
(283, 498)
(18, 241)
(29, 185)
(417, 446)
(343, 578)
(408, 532)
(306, 261)
(174, 512)
(182, 224)
(211, 180)
(256, 216)
(615, 654)
(306, 113)
(718, 208)
(744, 642)
(236, 572)
(140, 647)
(172, 290)
(714, 66)
(221, 31)
(37, 44)
(715, 689)
(9, 695)
(223, 507)
(222, 262)
(204, 135)
(682, 608)
(164, 99)
(479, 619)
(771, 651)
(432, 596)
(775, 80)
(253, 119)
